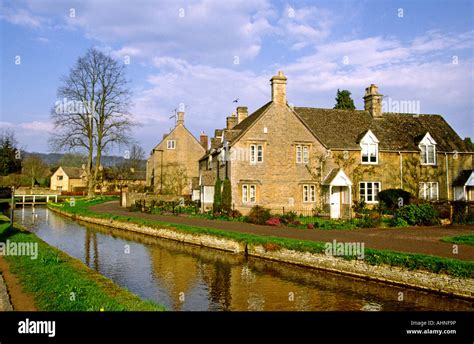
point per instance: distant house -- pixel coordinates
(122, 180)
(68, 179)
(322, 160)
(173, 163)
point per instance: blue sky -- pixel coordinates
(186, 52)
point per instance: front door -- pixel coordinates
(336, 202)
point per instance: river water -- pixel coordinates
(185, 277)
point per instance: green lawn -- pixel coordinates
(59, 282)
(411, 261)
(467, 239)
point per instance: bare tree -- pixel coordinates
(94, 112)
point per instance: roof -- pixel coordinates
(342, 129)
(73, 172)
(247, 122)
(462, 178)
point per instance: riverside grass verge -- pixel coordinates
(410, 261)
(59, 282)
(467, 239)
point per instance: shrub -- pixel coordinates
(310, 226)
(258, 215)
(288, 217)
(369, 221)
(360, 207)
(398, 222)
(273, 221)
(418, 214)
(217, 205)
(391, 198)
(226, 196)
(234, 213)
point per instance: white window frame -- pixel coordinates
(245, 193)
(256, 153)
(309, 193)
(302, 154)
(369, 148)
(249, 193)
(425, 144)
(171, 144)
(426, 191)
(305, 154)
(299, 154)
(365, 195)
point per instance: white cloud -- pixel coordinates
(21, 17)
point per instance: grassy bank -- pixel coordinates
(59, 282)
(410, 261)
(467, 239)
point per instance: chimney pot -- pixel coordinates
(180, 118)
(242, 113)
(278, 83)
(373, 101)
(204, 140)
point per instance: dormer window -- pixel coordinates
(427, 150)
(369, 149)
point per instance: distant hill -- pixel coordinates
(52, 159)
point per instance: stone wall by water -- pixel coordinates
(440, 283)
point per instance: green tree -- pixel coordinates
(227, 196)
(344, 100)
(34, 167)
(10, 161)
(217, 196)
(469, 144)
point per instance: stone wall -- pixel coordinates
(439, 283)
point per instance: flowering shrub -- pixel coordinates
(274, 221)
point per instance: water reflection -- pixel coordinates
(187, 277)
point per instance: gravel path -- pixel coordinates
(424, 240)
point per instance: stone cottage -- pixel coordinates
(316, 159)
(68, 179)
(173, 163)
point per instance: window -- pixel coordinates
(369, 148)
(256, 153)
(299, 154)
(308, 193)
(429, 191)
(60, 177)
(428, 150)
(171, 144)
(249, 193)
(369, 191)
(302, 154)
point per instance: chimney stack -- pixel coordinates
(180, 118)
(373, 101)
(279, 88)
(231, 121)
(242, 113)
(204, 140)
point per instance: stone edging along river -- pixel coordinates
(424, 280)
